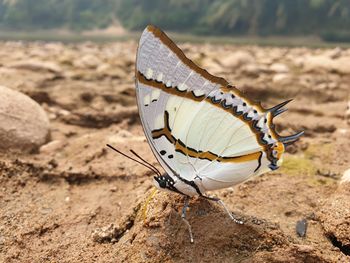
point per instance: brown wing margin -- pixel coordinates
(173, 47)
(225, 86)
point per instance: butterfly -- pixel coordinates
(205, 133)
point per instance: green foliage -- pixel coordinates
(41, 14)
(337, 36)
(174, 14)
(329, 19)
(231, 17)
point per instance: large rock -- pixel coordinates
(24, 124)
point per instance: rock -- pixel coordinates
(51, 146)
(24, 124)
(237, 59)
(98, 119)
(37, 65)
(322, 86)
(301, 227)
(251, 70)
(325, 63)
(107, 70)
(280, 77)
(304, 248)
(279, 68)
(123, 136)
(333, 53)
(103, 234)
(87, 61)
(342, 65)
(346, 177)
(334, 215)
(317, 63)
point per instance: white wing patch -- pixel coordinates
(155, 95)
(146, 100)
(149, 73)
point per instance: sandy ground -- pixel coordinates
(74, 200)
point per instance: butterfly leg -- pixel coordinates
(183, 216)
(218, 200)
(237, 221)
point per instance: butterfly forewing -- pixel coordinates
(198, 126)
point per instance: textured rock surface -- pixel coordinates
(335, 217)
(24, 124)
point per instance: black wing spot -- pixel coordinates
(171, 156)
(162, 152)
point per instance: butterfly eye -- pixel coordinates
(162, 183)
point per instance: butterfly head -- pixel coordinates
(164, 182)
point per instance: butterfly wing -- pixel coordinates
(199, 127)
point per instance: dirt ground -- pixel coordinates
(74, 200)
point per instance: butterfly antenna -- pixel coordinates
(138, 156)
(151, 167)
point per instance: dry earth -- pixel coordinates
(74, 200)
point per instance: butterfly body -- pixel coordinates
(206, 134)
(174, 184)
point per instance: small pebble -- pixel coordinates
(346, 177)
(301, 228)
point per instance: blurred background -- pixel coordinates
(67, 88)
(327, 20)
